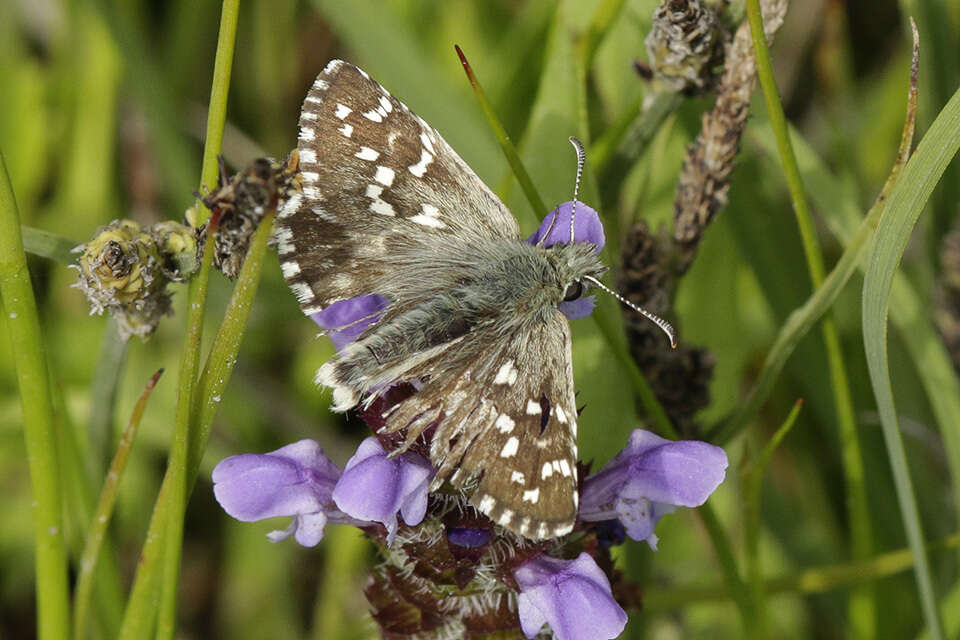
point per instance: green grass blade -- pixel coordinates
(30, 360)
(503, 138)
(862, 601)
(189, 365)
(101, 518)
(49, 245)
(808, 581)
(797, 325)
(919, 177)
(752, 516)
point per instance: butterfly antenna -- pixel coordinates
(581, 160)
(652, 317)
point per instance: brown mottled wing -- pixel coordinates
(507, 425)
(374, 175)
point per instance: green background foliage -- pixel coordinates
(102, 109)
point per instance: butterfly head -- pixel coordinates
(575, 265)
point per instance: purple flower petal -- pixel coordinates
(354, 314)
(376, 487)
(579, 308)
(586, 227)
(572, 596)
(296, 480)
(468, 537)
(648, 479)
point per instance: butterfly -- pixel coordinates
(395, 233)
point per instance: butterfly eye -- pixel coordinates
(573, 291)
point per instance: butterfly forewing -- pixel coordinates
(373, 174)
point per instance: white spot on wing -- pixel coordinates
(561, 415)
(546, 471)
(366, 153)
(565, 468)
(421, 167)
(382, 207)
(384, 176)
(288, 209)
(533, 408)
(505, 518)
(310, 176)
(516, 476)
(308, 115)
(320, 85)
(487, 504)
(425, 139)
(503, 374)
(309, 156)
(303, 292)
(346, 130)
(510, 448)
(385, 103)
(378, 205)
(428, 222)
(306, 134)
(373, 115)
(532, 495)
(290, 269)
(504, 423)
(342, 111)
(313, 99)
(284, 237)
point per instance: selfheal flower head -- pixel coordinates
(587, 228)
(296, 480)
(572, 596)
(377, 487)
(650, 478)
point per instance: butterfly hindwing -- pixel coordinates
(505, 423)
(374, 175)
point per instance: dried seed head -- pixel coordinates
(705, 178)
(240, 203)
(179, 247)
(680, 377)
(685, 45)
(121, 270)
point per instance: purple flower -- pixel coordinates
(468, 537)
(650, 478)
(572, 596)
(346, 320)
(296, 480)
(586, 228)
(376, 487)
